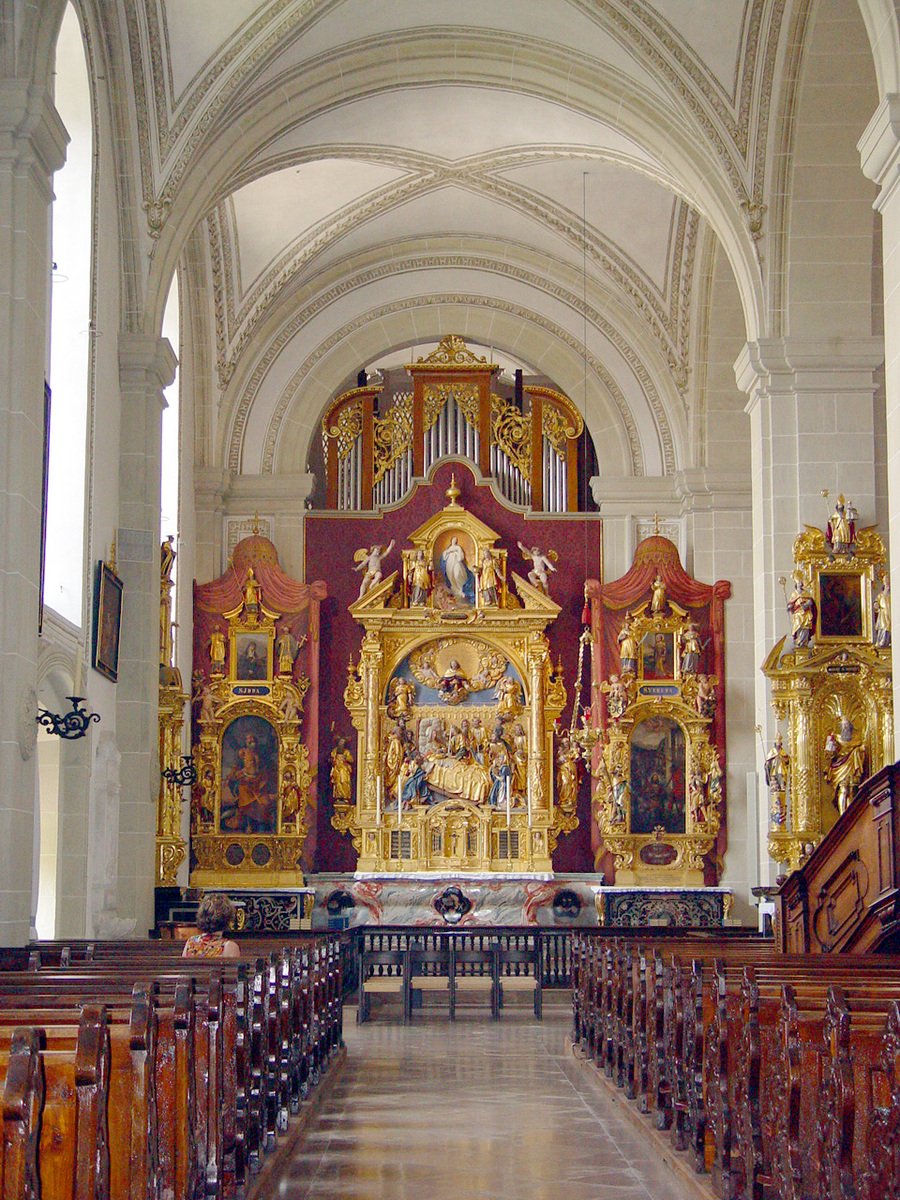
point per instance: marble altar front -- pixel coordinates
(679, 907)
(464, 899)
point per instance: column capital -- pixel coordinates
(797, 365)
(879, 148)
(146, 363)
(31, 130)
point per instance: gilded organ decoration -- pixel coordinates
(831, 683)
(454, 700)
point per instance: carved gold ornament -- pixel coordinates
(392, 434)
(511, 431)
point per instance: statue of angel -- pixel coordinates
(541, 566)
(369, 562)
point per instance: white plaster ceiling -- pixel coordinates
(368, 157)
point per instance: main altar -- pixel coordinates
(454, 699)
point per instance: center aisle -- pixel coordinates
(476, 1110)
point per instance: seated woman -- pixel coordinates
(214, 915)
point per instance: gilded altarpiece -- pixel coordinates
(255, 723)
(658, 711)
(831, 684)
(454, 699)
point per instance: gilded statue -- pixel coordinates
(802, 610)
(691, 648)
(217, 651)
(541, 566)
(369, 562)
(840, 532)
(284, 648)
(658, 602)
(251, 592)
(846, 754)
(420, 580)
(627, 647)
(508, 695)
(567, 775)
(341, 764)
(617, 697)
(487, 579)
(401, 696)
(777, 768)
(883, 614)
(454, 685)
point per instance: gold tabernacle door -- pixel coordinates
(454, 701)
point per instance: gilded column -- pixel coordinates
(804, 817)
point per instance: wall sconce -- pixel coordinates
(186, 776)
(70, 725)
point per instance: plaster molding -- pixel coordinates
(32, 134)
(798, 365)
(146, 363)
(879, 148)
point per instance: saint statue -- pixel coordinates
(251, 592)
(658, 602)
(840, 532)
(846, 755)
(883, 614)
(453, 686)
(778, 766)
(456, 572)
(166, 559)
(802, 609)
(508, 695)
(567, 776)
(401, 695)
(341, 763)
(627, 648)
(420, 580)
(369, 562)
(487, 579)
(217, 651)
(690, 648)
(285, 650)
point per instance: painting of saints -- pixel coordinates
(249, 800)
(457, 573)
(658, 776)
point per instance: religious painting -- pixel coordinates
(454, 563)
(252, 656)
(658, 776)
(841, 605)
(107, 622)
(249, 801)
(658, 654)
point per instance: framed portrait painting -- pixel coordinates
(107, 622)
(843, 609)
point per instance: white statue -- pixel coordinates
(369, 562)
(541, 566)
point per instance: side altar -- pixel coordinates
(454, 700)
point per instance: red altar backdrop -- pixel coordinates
(332, 538)
(704, 602)
(299, 606)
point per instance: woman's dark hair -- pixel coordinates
(215, 913)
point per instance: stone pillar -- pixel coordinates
(32, 147)
(146, 367)
(812, 427)
(879, 149)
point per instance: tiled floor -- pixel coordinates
(477, 1110)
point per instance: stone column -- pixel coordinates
(146, 367)
(812, 427)
(32, 147)
(879, 149)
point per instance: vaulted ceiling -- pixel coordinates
(568, 180)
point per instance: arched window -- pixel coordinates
(70, 330)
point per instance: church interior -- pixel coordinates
(450, 478)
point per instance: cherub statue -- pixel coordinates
(207, 703)
(541, 566)
(705, 697)
(401, 694)
(617, 698)
(289, 709)
(369, 562)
